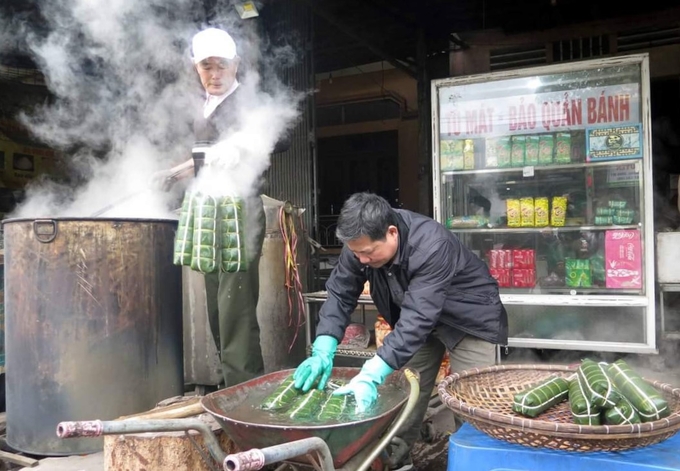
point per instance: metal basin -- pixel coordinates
(344, 439)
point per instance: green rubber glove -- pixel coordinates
(320, 364)
(364, 385)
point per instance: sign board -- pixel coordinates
(614, 143)
(613, 105)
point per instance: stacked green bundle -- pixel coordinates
(596, 384)
(307, 406)
(233, 255)
(583, 410)
(185, 230)
(210, 234)
(336, 407)
(623, 413)
(648, 402)
(541, 397)
(283, 396)
(204, 252)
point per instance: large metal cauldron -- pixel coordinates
(93, 313)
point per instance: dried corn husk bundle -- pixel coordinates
(541, 397)
(623, 413)
(210, 234)
(596, 385)
(649, 403)
(583, 410)
(284, 396)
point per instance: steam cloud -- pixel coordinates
(125, 97)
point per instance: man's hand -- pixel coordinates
(318, 366)
(364, 386)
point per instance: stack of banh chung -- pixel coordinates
(599, 393)
(315, 405)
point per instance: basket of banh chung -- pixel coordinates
(590, 406)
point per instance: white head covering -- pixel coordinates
(212, 42)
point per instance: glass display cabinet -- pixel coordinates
(545, 173)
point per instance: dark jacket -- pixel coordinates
(224, 118)
(446, 289)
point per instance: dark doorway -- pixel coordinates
(665, 106)
(348, 164)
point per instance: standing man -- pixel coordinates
(434, 292)
(231, 297)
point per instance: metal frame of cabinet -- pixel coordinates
(602, 302)
(313, 303)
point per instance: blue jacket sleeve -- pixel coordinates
(344, 288)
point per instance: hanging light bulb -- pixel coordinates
(246, 10)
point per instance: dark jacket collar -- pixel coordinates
(402, 227)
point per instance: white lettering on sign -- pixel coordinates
(621, 235)
(539, 112)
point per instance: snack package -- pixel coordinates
(532, 148)
(457, 157)
(502, 275)
(563, 148)
(600, 211)
(546, 144)
(513, 212)
(558, 211)
(596, 385)
(504, 149)
(649, 402)
(446, 156)
(541, 397)
(597, 267)
(583, 411)
(578, 273)
(491, 152)
(468, 154)
(526, 207)
(519, 145)
(542, 211)
(523, 277)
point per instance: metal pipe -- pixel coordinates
(258, 458)
(96, 428)
(413, 381)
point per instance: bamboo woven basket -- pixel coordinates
(483, 397)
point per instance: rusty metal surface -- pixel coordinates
(93, 323)
(344, 440)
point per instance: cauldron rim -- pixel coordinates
(84, 219)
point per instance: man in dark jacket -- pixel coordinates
(231, 297)
(434, 292)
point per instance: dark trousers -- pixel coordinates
(231, 300)
(470, 352)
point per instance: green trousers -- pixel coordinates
(231, 300)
